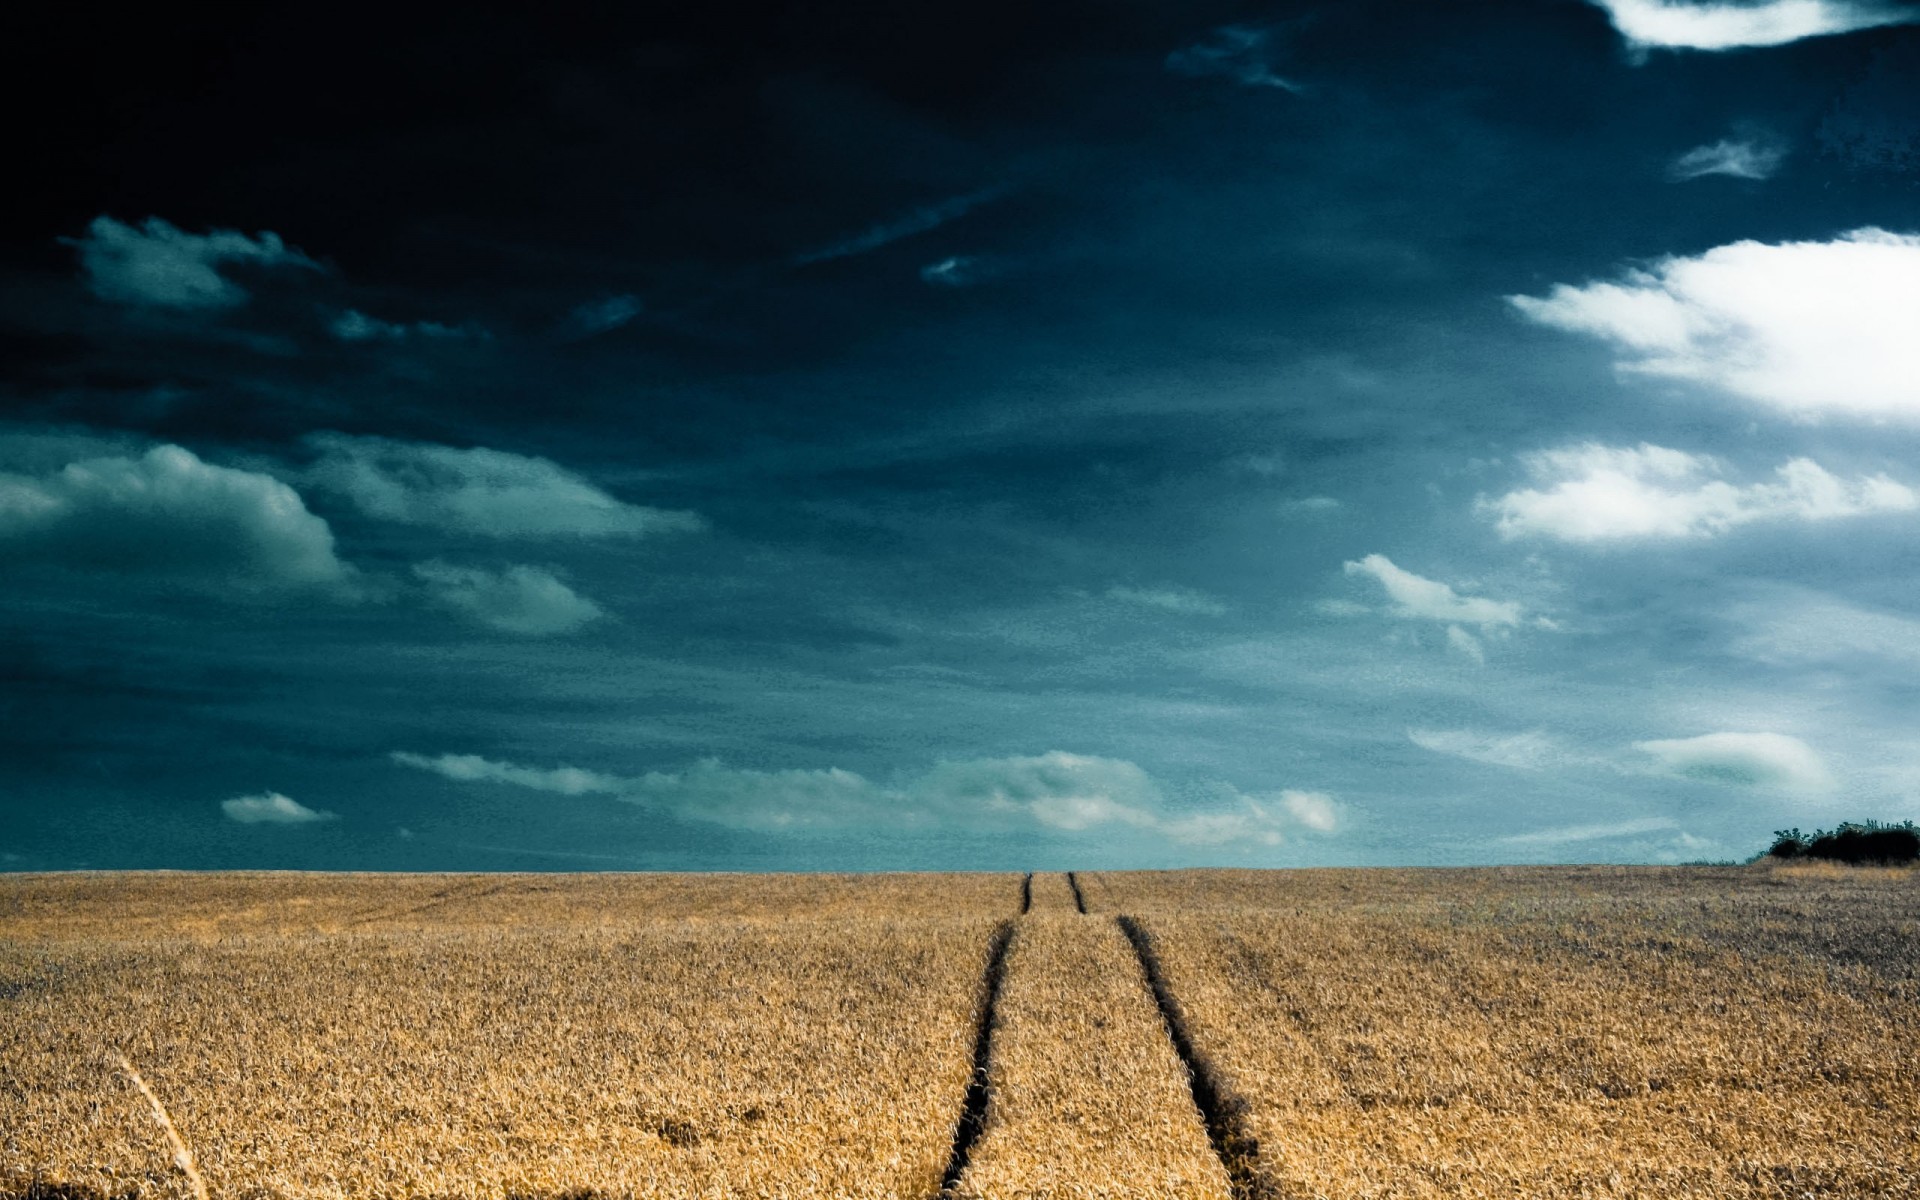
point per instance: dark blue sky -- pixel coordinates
(958, 435)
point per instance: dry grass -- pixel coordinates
(1542, 1033)
(1558, 1033)
(594, 1038)
(1089, 1099)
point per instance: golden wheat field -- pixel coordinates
(1542, 1032)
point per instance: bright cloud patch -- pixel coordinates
(1595, 493)
(159, 266)
(167, 513)
(271, 808)
(1431, 600)
(479, 491)
(1771, 760)
(522, 600)
(1057, 791)
(1808, 328)
(1733, 157)
(1729, 26)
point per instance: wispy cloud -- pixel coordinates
(602, 316)
(910, 224)
(476, 490)
(1738, 158)
(1429, 599)
(523, 600)
(271, 808)
(1241, 53)
(356, 326)
(1058, 792)
(1169, 599)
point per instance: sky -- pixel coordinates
(865, 436)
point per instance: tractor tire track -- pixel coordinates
(973, 1110)
(439, 899)
(1079, 901)
(1223, 1112)
(1026, 894)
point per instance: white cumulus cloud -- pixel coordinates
(1738, 158)
(523, 600)
(160, 266)
(1810, 329)
(492, 493)
(1771, 760)
(1678, 24)
(1431, 600)
(271, 808)
(167, 513)
(1595, 493)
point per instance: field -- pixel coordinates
(1550, 1032)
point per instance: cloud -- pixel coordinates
(479, 491)
(1822, 631)
(955, 272)
(1769, 760)
(521, 600)
(271, 808)
(1236, 52)
(159, 266)
(604, 315)
(1807, 328)
(1592, 833)
(1171, 599)
(1465, 644)
(1598, 493)
(1738, 158)
(1529, 751)
(1431, 600)
(910, 224)
(471, 768)
(1668, 24)
(1057, 792)
(356, 326)
(167, 513)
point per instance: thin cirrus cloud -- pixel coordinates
(272, 808)
(356, 326)
(1530, 750)
(1674, 25)
(916, 221)
(1057, 791)
(1592, 493)
(157, 265)
(168, 513)
(491, 493)
(1765, 760)
(1184, 601)
(1808, 329)
(522, 600)
(1237, 52)
(1736, 158)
